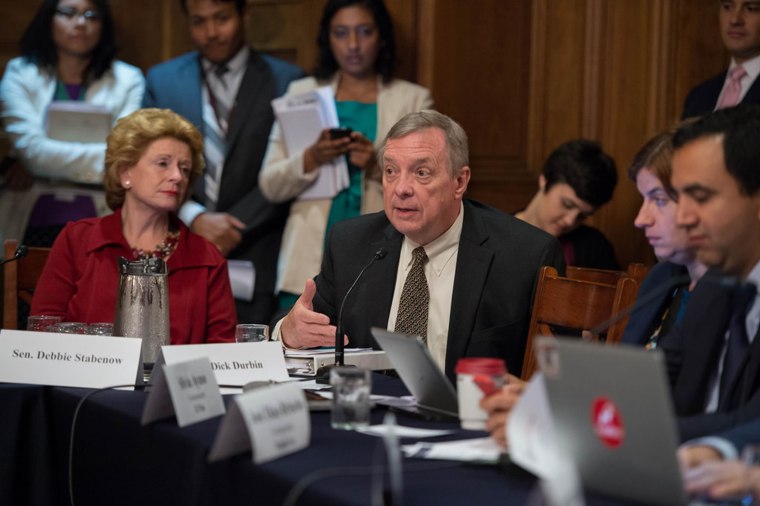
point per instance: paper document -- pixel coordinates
(242, 279)
(302, 118)
(78, 122)
(484, 450)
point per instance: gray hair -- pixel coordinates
(456, 138)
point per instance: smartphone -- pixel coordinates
(339, 133)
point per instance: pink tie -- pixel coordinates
(733, 90)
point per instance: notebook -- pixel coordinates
(613, 416)
(415, 366)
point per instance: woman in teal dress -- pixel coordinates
(356, 58)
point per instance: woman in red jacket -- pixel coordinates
(153, 157)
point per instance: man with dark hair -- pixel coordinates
(456, 272)
(714, 358)
(740, 31)
(577, 179)
(225, 89)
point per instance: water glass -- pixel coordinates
(351, 388)
(251, 333)
(100, 329)
(42, 322)
(70, 328)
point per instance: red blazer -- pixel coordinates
(80, 280)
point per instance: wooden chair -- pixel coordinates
(575, 304)
(635, 271)
(19, 279)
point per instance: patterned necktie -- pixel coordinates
(738, 342)
(216, 111)
(413, 306)
(733, 89)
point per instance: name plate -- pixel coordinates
(272, 421)
(68, 360)
(234, 364)
(186, 389)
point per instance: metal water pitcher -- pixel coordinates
(142, 305)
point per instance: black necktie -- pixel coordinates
(738, 341)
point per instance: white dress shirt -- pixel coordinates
(752, 67)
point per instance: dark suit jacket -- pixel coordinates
(703, 98)
(497, 268)
(743, 435)
(692, 352)
(176, 85)
(645, 319)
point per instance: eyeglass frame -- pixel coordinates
(71, 14)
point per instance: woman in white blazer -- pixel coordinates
(68, 55)
(356, 58)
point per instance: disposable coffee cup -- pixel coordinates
(476, 378)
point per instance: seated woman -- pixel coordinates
(68, 56)
(356, 58)
(651, 170)
(577, 179)
(153, 157)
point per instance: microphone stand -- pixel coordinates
(323, 373)
(21, 251)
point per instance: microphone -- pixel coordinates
(640, 302)
(379, 255)
(324, 371)
(21, 251)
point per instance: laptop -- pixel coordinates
(415, 366)
(613, 416)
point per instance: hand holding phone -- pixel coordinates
(339, 133)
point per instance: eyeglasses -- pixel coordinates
(70, 13)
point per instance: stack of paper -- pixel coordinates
(78, 122)
(302, 118)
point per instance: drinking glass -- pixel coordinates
(251, 333)
(100, 329)
(70, 328)
(351, 397)
(42, 322)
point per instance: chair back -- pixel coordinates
(636, 271)
(576, 304)
(19, 279)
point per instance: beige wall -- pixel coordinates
(522, 76)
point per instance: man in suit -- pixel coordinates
(225, 89)
(714, 357)
(456, 272)
(740, 31)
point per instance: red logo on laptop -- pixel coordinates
(608, 424)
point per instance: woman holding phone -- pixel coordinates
(356, 58)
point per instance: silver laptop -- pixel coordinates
(613, 415)
(421, 375)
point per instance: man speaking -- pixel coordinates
(456, 272)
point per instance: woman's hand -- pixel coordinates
(363, 155)
(324, 150)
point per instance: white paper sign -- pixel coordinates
(234, 364)
(532, 446)
(187, 389)
(271, 421)
(68, 360)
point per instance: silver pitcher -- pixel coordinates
(142, 306)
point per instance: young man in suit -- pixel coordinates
(456, 272)
(740, 31)
(713, 359)
(225, 89)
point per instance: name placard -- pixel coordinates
(68, 360)
(187, 389)
(234, 364)
(271, 421)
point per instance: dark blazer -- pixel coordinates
(692, 352)
(590, 248)
(703, 98)
(743, 435)
(497, 268)
(645, 319)
(176, 85)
